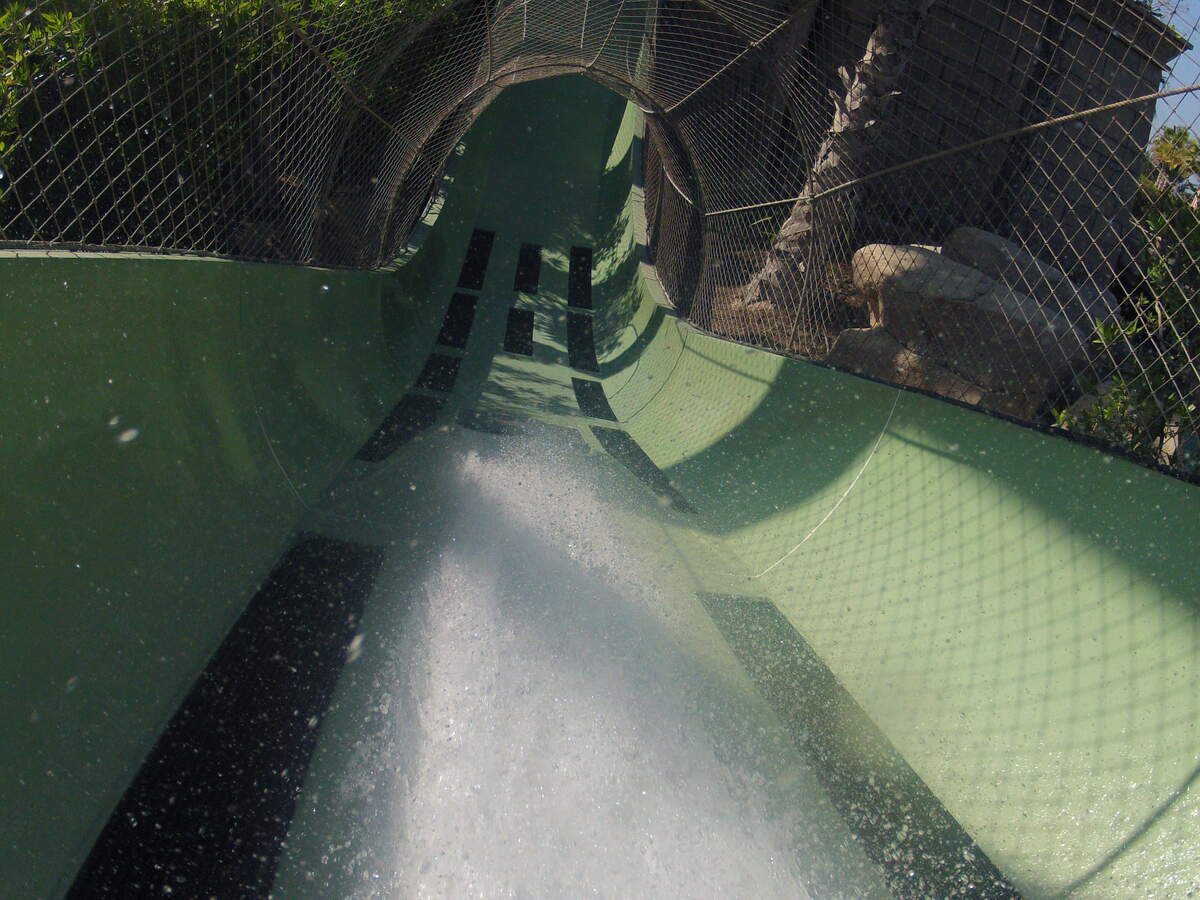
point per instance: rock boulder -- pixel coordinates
(966, 322)
(1080, 304)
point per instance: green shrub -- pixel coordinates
(1153, 386)
(169, 122)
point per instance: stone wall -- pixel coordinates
(965, 83)
(1076, 183)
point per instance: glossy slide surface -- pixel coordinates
(489, 575)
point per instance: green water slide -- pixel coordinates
(488, 575)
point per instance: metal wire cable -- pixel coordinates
(965, 148)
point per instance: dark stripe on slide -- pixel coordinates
(921, 849)
(456, 325)
(579, 278)
(518, 334)
(440, 373)
(592, 400)
(408, 418)
(581, 343)
(627, 451)
(529, 269)
(207, 814)
(474, 266)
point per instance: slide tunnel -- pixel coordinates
(488, 575)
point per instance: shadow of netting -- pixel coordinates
(1010, 662)
(618, 295)
(1020, 634)
(1029, 642)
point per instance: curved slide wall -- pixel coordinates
(686, 592)
(144, 502)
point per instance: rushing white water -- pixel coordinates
(544, 727)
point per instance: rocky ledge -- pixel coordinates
(980, 320)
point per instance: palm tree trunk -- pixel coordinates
(812, 230)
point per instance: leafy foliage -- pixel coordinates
(1150, 402)
(1176, 155)
(158, 112)
(32, 47)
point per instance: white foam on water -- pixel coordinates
(559, 737)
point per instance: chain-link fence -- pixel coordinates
(991, 200)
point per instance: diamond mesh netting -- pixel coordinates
(990, 200)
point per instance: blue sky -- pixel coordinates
(1185, 109)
